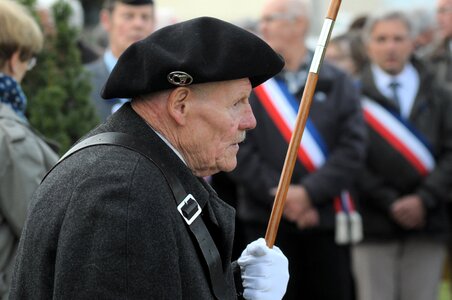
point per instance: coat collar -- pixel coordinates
(126, 120)
(7, 112)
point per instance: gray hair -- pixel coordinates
(300, 7)
(425, 20)
(386, 16)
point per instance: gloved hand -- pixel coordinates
(265, 271)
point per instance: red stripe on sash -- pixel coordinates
(396, 143)
(282, 126)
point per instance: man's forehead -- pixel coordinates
(389, 22)
(237, 86)
(271, 6)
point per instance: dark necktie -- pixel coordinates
(394, 85)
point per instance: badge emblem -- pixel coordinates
(179, 78)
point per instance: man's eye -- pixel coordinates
(128, 16)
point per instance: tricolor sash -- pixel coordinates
(282, 107)
(401, 135)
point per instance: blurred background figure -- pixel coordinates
(408, 172)
(88, 52)
(440, 59)
(424, 28)
(346, 52)
(125, 21)
(319, 264)
(441, 56)
(44, 11)
(357, 23)
(24, 156)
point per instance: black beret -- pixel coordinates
(196, 51)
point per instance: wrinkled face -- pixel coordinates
(280, 27)
(127, 24)
(390, 46)
(444, 17)
(216, 124)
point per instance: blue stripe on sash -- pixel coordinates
(413, 130)
(309, 124)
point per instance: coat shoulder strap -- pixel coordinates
(186, 204)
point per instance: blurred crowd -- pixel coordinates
(368, 210)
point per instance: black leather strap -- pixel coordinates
(187, 205)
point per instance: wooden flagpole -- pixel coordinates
(300, 124)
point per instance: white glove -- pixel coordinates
(265, 271)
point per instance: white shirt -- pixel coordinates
(171, 146)
(110, 60)
(408, 88)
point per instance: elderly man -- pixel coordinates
(125, 21)
(408, 172)
(127, 213)
(326, 166)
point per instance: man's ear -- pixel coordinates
(177, 104)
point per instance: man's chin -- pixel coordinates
(228, 166)
(393, 68)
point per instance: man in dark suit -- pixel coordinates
(125, 21)
(136, 220)
(326, 166)
(408, 171)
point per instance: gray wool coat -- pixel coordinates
(24, 160)
(104, 225)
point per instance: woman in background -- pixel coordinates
(24, 156)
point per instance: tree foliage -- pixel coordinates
(58, 88)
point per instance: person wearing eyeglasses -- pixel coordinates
(325, 168)
(24, 156)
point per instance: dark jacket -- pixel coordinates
(104, 225)
(337, 115)
(98, 72)
(441, 62)
(388, 176)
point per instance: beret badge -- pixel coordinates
(179, 78)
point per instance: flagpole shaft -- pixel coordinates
(300, 124)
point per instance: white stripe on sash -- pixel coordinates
(399, 136)
(282, 108)
(288, 114)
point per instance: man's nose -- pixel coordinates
(248, 121)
